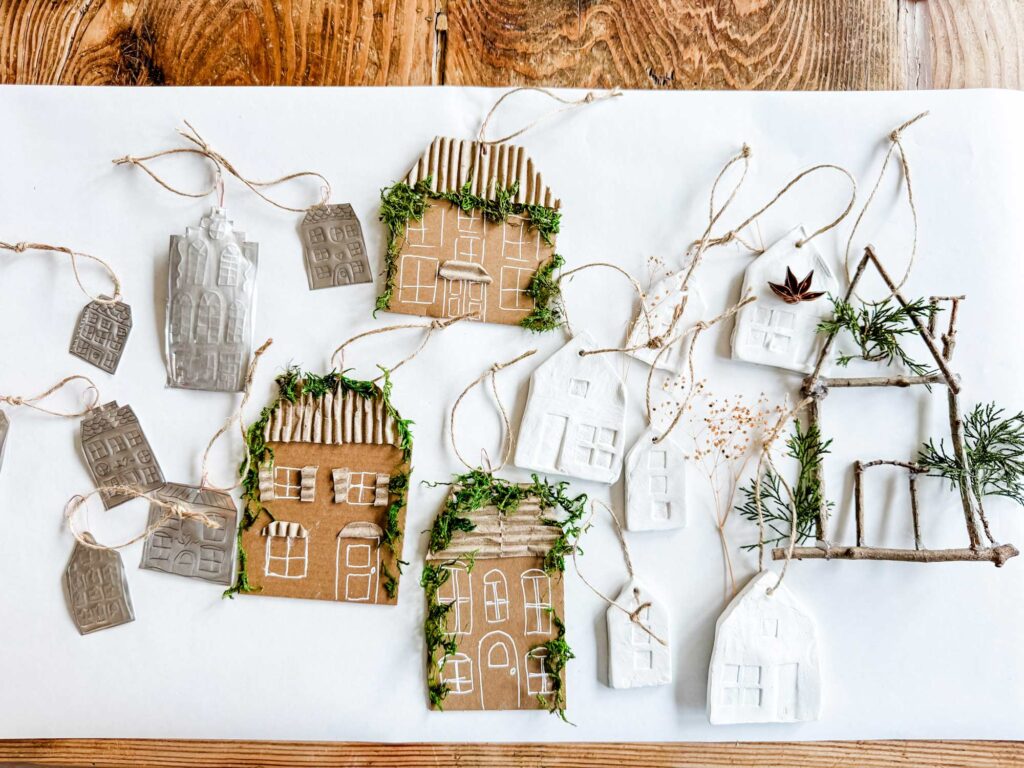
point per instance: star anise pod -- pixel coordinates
(794, 291)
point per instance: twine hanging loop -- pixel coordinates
(567, 104)
(74, 256)
(33, 401)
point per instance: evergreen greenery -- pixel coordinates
(877, 329)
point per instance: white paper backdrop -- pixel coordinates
(908, 651)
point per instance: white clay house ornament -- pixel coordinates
(792, 284)
(638, 651)
(764, 667)
(575, 416)
(655, 484)
(670, 310)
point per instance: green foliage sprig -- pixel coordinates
(558, 655)
(808, 450)
(543, 288)
(877, 329)
(435, 628)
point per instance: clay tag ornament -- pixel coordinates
(101, 334)
(575, 416)
(333, 247)
(5, 430)
(764, 667)
(96, 588)
(210, 305)
(663, 301)
(118, 453)
(456, 259)
(792, 286)
(635, 658)
(655, 484)
(187, 547)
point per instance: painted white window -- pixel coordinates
(357, 556)
(512, 287)
(469, 221)
(457, 673)
(538, 679)
(495, 597)
(595, 446)
(469, 249)
(287, 556)
(742, 685)
(517, 242)
(497, 656)
(417, 282)
(362, 488)
(417, 232)
(457, 591)
(537, 601)
(773, 328)
(230, 265)
(579, 387)
(287, 482)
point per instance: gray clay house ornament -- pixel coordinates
(101, 333)
(187, 547)
(333, 247)
(210, 304)
(118, 453)
(5, 428)
(96, 587)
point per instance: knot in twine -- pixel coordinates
(13, 400)
(23, 246)
(16, 401)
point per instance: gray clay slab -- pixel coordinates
(5, 429)
(210, 304)
(102, 333)
(96, 588)
(117, 452)
(333, 247)
(186, 547)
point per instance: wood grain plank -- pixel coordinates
(238, 754)
(723, 44)
(229, 42)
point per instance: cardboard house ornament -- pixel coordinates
(187, 547)
(210, 305)
(325, 498)
(101, 334)
(117, 453)
(96, 588)
(655, 484)
(670, 310)
(333, 248)
(575, 416)
(764, 666)
(636, 657)
(791, 285)
(469, 229)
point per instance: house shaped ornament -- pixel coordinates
(326, 502)
(670, 310)
(468, 230)
(637, 657)
(102, 333)
(655, 484)
(575, 416)
(117, 453)
(333, 247)
(185, 546)
(210, 304)
(764, 666)
(96, 588)
(791, 283)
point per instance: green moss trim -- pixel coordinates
(401, 203)
(559, 654)
(440, 644)
(291, 385)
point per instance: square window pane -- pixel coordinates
(730, 673)
(657, 460)
(750, 675)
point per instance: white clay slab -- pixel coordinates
(635, 658)
(662, 302)
(655, 484)
(771, 331)
(764, 666)
(575, 416)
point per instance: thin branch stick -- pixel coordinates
(914, 512)
(997, 555)
(885, 381)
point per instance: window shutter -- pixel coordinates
(267, 483)
(380, 498)
(340, 477)
(307, 489)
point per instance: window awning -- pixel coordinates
(284, 528)
(469, 271)
(361, 530)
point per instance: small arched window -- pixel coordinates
(234, 330)
(181, 319)
(495, 597)
(208, 319)
(230, 265)
(196, 253)
(537, 601)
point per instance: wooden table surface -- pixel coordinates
(722, 44)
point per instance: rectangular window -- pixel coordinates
(457, 591)
(537, 602)
(316, 235)
(287, 482)
(134, 438)
(517, 242)
(741, 685)
(538, 679)
(357, 556)
(210, 559)
(579, 387)
(362, 488)
(457, 673)
(418, 280)
(287, 556)
(595, 446)
(469, 249)
(469, 221)
(495, 597)
(512, 287)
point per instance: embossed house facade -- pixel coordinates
(117, 452)
(96, 588)
(102, 333)
(333, 475)
(455, 260)
(332, 243)
(210, 306)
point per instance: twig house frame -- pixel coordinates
(816, 387)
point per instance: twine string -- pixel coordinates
(567, 105)
(895, 145)
(634, 615)
(172, 510)
(204, 477)
(632, 281)
(33, 402)
(222, 164)
(74, 256)
(338, 356)
(507, 438)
